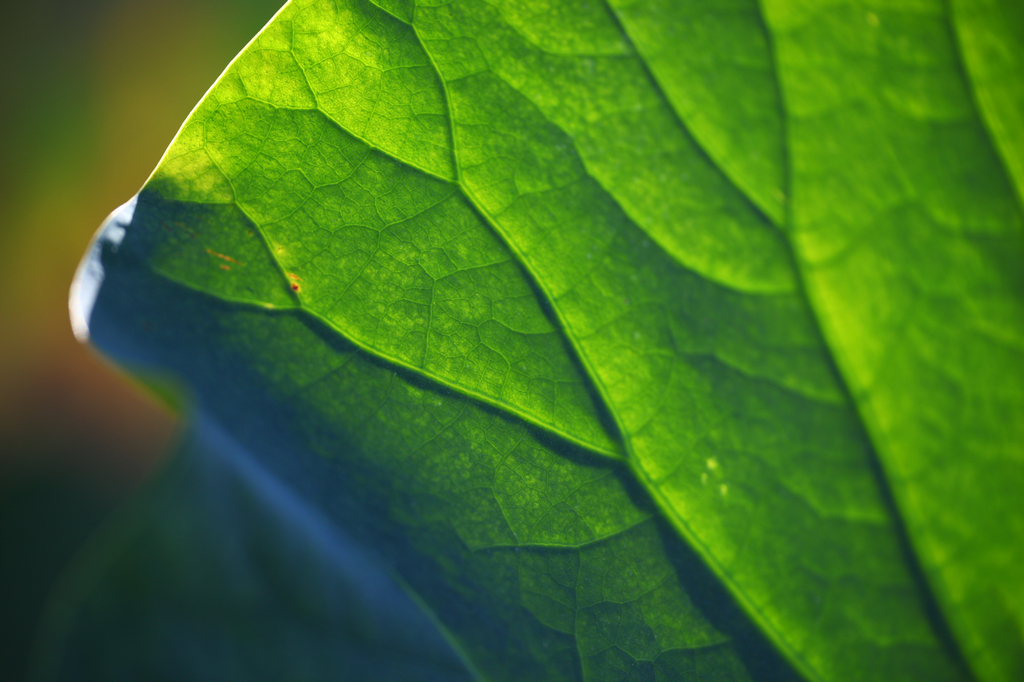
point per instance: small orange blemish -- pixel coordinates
(223, 257)
(225, 267)
(294, 276)
(295, 287)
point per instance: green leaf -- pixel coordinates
(727, 98)
(912, 261)
(549, 301)
(539, 559)
(991, 39)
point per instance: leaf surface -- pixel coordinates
(537, 558)
(546, 300)
(991, 40)
(911, 258)
(727, 99)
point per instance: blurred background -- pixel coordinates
(91, 95)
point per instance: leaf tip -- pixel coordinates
(85, 287)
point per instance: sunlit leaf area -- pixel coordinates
(559, 340)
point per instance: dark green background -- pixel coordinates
(91, 95)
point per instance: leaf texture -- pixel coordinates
(535, 557)
(547, 300)
(991, 41)
(912, 260)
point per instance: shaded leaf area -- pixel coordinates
(218, 572)
(589, 249)
(539, 560)
(912, 259)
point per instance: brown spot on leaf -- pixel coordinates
(223, 257)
